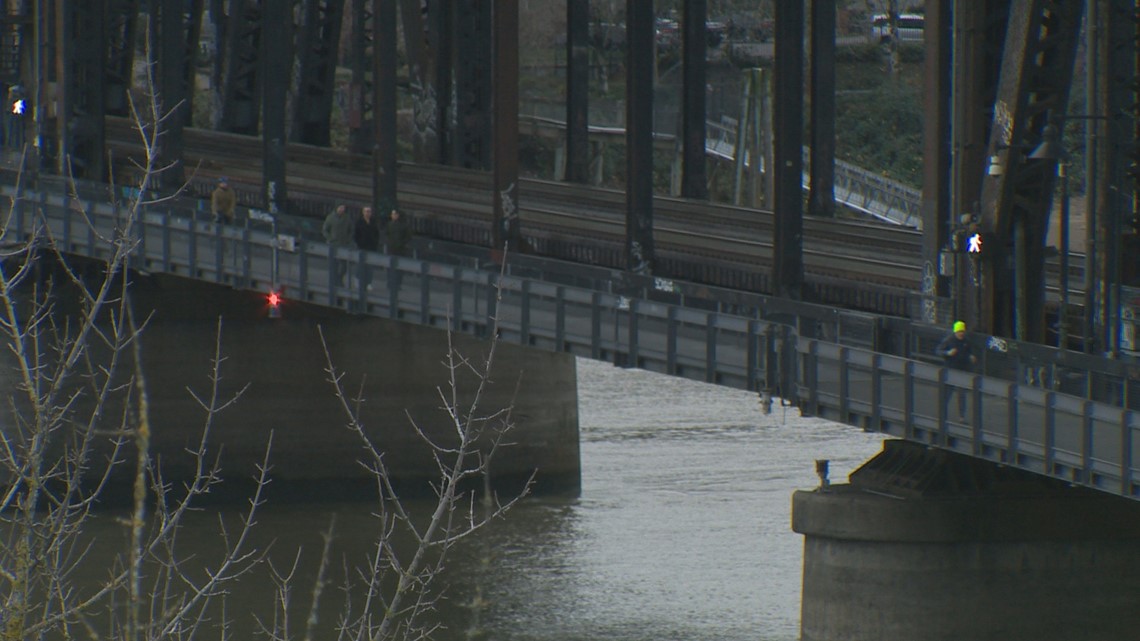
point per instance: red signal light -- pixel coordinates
(274, 300)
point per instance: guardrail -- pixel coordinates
(831, 362)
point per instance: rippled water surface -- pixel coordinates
(682, 530)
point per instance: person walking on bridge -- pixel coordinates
(223, 201)
(367, 237)
(957, 353)
(338, 231)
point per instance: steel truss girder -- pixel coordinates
(80, 38)
(317, 47)
(1036, 74)
(241, 96)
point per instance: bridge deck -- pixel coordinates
(765, 347)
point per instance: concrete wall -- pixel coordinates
(1054, 565)
(397, 369)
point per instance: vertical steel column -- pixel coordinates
(80, 102)
(640, 64)
(360, 103)
(787, 250)
(472, 50)
(384, 100)
(172, 90)
(577, 90)
(193, 21)
(122, 17)
(979, 38)
(821, 199)
(694, 43)
(317, 49)
(276, 61)
(441, 35)
(421, 74)
(936, 155)
(505, 179)
(240, 96)
(1118, 83)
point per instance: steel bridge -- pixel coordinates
(989, 169)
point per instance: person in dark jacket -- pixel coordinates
(957, 353)
(399, 233)
(337, 231)
(366, 234)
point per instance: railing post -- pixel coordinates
(876, 391)
(165, 241)
(302, 265)
(560, 318)
(1126, 422)
(1086, 441)
(908, 400)
(596, 326)
(671, 340)
(456, 298)
(634, 305)
(524, 313)
(1050, 432)
(752, 356)
(425, 293)
(710, 347)
(1013, 436)
(844, 386)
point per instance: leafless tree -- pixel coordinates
(76, 414)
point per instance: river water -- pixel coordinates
(682, 530)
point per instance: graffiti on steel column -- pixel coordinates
(638, 262)
(510, 210)
(929, 304)
(1003, 121)
(424, 108)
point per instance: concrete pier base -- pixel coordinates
(394, 374)
(1002, 558)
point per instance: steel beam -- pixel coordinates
(936, 155)
(577, 90)
(241, 97)
(276, 62)
(694, 179)
(979, 37)
(471, 145)
(505, 175)
(169, 41)
(317, 47)
(821, 198)
(1119, 83)
(426, 108)
(79, 75)
(359, 108)
(122, 16)
(1036, 74)
(640, 49)
(384, 98)
(787, 242)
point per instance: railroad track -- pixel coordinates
(864, 265)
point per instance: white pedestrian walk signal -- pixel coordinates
(974, 244)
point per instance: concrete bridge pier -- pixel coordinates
(398, 371)
(927, 545)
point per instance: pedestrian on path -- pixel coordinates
(338, 232)
(957, 353)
